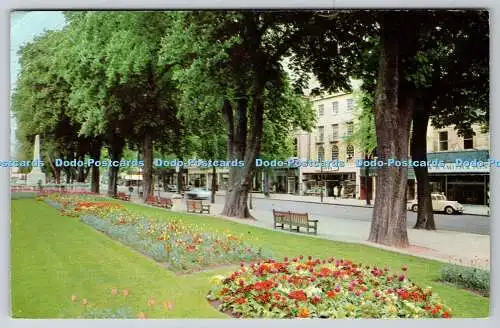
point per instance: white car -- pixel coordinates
(198, 193)
(439, 204)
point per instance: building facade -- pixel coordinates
(467, 184)
(335, 124)
(336, 116)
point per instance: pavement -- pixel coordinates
(468, 209)
(447, 246)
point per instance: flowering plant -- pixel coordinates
(182, 247)
(322, 289)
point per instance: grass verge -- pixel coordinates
(55, 257)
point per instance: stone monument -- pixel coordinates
(36, 177)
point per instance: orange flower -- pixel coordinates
(114, 291)
(151, 302)
(125, 292)
(330, 294)
(303, 313)
(85, 302)
(167, 305)
(73, 298)
(141, 315)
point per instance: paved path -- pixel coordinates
(455, 247)
(468, 209)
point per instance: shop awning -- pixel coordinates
(373, 172)
(464, 155)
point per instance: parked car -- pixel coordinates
(198, 193)
(172, 188)
(439, 204)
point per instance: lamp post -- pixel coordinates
(322, 182)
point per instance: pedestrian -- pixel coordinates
(335, 192)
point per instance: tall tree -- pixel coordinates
(235, 58)
(129, 96)
(40, 103)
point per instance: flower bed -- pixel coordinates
(181, 247)
(322, 289)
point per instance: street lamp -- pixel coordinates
(322, 182)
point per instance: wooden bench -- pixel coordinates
(160, 202)
(197, 206)
(295, 221)
(122, 196)
(165, 202)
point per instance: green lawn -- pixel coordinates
(55, 257)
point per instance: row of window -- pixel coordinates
(335, 152)
(349, 128)
(335, 107)
(443, 141)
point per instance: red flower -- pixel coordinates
(316, 299)
(241, 300)
(298, 295)
(446, 314)
(331, 293)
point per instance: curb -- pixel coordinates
(350, 205)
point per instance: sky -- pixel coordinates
(25, 25)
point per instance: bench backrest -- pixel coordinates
(194, 204)
(281, 213)
(301, 218)
(165, 200)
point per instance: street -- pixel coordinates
(460, 223)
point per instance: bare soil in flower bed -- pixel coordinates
(229, 313)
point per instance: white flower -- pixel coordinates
(312, 291)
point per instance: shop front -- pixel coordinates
(464, 184)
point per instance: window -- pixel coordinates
(321, 133)
(349, 128)
(335, 152)
(321, 110)
(350, 104)
(443, 141)
(335, 131)
(468, 141)
(335, 107)
(321, 153)
(295, 147)
(350, 152)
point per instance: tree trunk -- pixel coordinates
(80, 176)
(425, 215)
(115, 153)
(56, 171)
(147, 172)
(95, 177)
(164, 182)
(180, 180)
(214, 183)
(250, 204)
(393, 118)
(68, 175)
